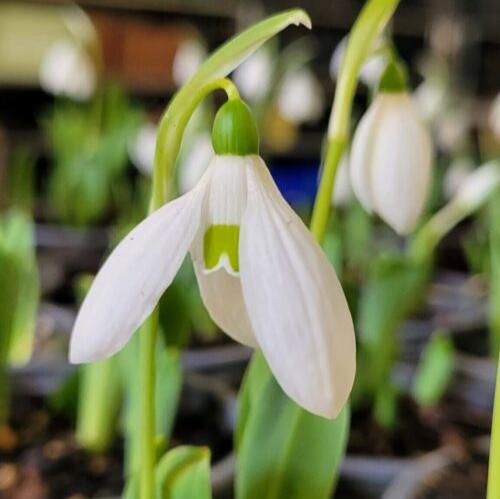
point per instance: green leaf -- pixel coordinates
(283, 450)
(169, 384)
(435, 370)
(184, 472)
(394, 288)
(494, 309)
(89, 145)
(168, 388)
(20, 288)
(99, 403)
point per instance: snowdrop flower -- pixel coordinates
(262, 276)
(370, 72)
(253, 76)
(301, 97)
(67, 70)
(391, 155)
(478, 186)
(452, 128)
(188, 58)
(455, 176)
(494, 117)
(141, 149)
(342, 191)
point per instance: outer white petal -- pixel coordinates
(361, 154)
(401, 161)
(295, 302)
(131, 281)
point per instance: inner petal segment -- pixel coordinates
(220, 248)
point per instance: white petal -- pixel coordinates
(130, 283)
(361, 152)
(223, 298)
(401, 161)
(295, 302)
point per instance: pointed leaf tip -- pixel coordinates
(302, 18)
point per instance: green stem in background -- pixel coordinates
(494, 247)
(148, 335)
(493, 491)
(98, 404)
(370, 23)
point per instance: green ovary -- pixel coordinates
(220, 241)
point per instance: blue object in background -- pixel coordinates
(298, 182)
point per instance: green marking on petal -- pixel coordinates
(221, 241)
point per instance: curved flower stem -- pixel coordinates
(167, 149)
(370, 23)
(170, 137)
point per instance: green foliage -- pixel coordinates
(393, 289)
(168, 388)
(89, 144)
(184, 472)
(20, 289)
(182, 310)
(494, 240)
(283, 450)
(435, 370)
(19, 292)
(21, 180)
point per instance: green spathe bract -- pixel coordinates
(235, 131)
(394, 79)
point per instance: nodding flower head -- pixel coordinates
(263, 278)
(391, 155)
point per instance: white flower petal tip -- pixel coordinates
(131, 281)
(478, 185)
(296, 305)
(391, 161)
(67, 69)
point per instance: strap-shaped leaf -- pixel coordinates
(283, 450)
(184, 472)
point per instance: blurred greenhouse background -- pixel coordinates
(82, 88)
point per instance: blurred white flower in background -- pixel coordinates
(67, 70)
(371, 71)
(188, 58)
(301, 97)
(253, 76)
(478, 186)
(430, 99)
(455, 176)
(452, 128)
(391, 160)
(196, 161)
(494, 117)
(141, 149)
(342, 191)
